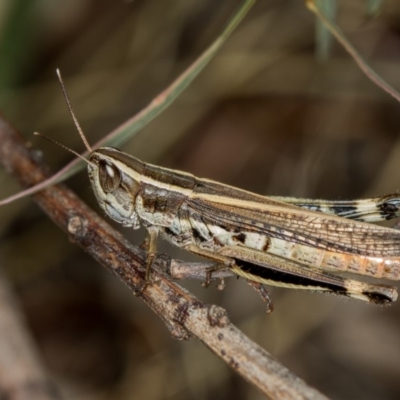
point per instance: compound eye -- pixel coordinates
(109, 176)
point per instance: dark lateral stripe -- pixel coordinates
(289, 279)
(279, 276)
(375, 295)
(169, 176)
(343, 210)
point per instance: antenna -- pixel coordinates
(64, 147)
(78, 127)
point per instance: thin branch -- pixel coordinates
(183, 314)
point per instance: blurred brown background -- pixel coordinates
(266, 115)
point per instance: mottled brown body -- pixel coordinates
(278, 241)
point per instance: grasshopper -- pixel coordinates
(280, 241)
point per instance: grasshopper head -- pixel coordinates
(112, 176)
(115, 180)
